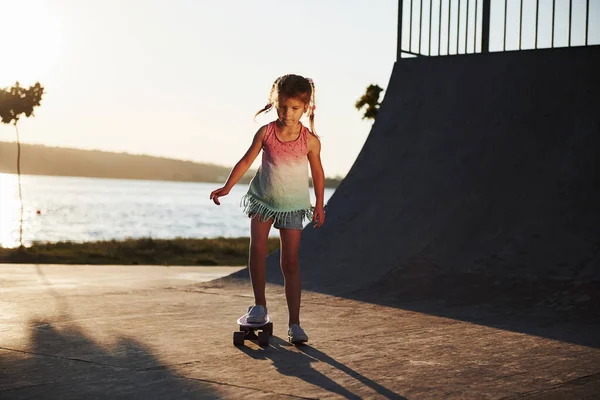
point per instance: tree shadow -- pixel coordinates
(296, 361)
(64, 362)
(60, 360)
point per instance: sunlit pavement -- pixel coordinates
(152, 332)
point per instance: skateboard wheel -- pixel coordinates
(238, 338)
(263, 338)
(269, 328)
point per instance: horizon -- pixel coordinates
(132, 154)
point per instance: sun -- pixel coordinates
(32, 41)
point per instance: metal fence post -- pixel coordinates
(485, 26)
(399, 49)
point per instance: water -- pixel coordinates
(88, 209)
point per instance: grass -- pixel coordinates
(144, 251)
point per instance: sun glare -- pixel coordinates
(32, 41)
(9, 211)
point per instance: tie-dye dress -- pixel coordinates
(280, 187)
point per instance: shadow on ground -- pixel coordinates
(58, 359)
(296, 361)
(64, 362)
(567, 310)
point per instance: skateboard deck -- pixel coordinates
(243, 321)
(248, 330)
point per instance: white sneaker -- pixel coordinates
(297, 334)
(257, 314)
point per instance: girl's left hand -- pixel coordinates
(215, 194)
(318, 216)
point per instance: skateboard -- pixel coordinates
(248, 331)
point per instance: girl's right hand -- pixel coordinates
(215, 194)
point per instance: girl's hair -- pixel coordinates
(293, 86)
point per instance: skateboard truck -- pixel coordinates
(248, 332)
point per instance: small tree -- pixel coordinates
(371, 100)
(15, 101)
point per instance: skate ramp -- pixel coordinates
(479, 180)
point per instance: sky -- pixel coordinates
(183, 78)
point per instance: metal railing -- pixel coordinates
(451, 27)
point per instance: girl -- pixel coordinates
(278, 194)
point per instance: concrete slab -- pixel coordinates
(140, 332)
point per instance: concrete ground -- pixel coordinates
(152, 332)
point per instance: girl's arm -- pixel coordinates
(318, 176)
(241, 167)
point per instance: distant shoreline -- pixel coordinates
(330, 183)
(113, 178)
(59, 161)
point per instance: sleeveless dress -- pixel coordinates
(279, 190)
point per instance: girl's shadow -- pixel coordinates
(297, 362)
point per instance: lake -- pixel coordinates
(88, 209)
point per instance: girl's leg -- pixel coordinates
(257, 262)
(290, 244)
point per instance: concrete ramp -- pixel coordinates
(482, 166)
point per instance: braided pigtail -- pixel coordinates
(272, 99)
(311, 107)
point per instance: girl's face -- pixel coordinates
(290, 110)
